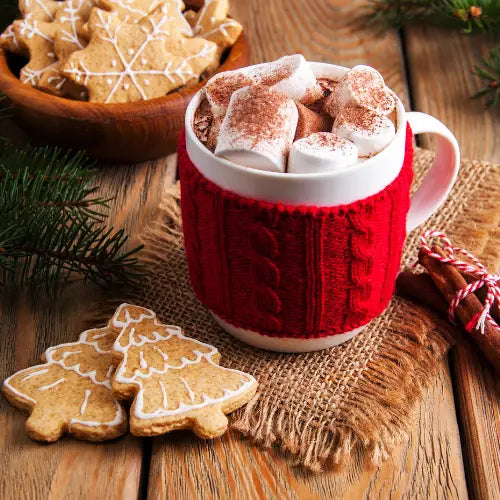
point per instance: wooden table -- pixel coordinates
(453, 450)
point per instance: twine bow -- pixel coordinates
(473, 268)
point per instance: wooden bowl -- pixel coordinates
(131, 132)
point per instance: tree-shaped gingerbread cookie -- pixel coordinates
(71, 391)
(175, 382)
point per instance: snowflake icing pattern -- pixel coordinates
(146, 71)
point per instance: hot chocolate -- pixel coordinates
(277, 116)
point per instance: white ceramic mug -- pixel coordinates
(330, 189)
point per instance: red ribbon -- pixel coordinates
(473, 268)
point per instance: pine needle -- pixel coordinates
(489, 71)
(53, 223)
(467, 15)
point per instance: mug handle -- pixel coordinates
(442, 173)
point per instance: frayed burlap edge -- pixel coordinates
(375, 416)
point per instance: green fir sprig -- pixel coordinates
(466, 15)
(52, 222)
(489, 71)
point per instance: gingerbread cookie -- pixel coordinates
(71, 34)
(212, 23)
(71, 392)
(42, 10)
(38, 38)
(175, 382)
(10, 42)
(130, 10)
(197, 52)
(128, 62)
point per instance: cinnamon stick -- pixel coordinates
(421, 288)
(449, 281)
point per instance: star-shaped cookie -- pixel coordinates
(71, 34)
(128, 62)
(42, 10)
(37, 38)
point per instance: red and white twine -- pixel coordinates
(473, 268)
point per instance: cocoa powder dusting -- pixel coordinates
(280, 73)
(225, 85)
(260, 114)
(361, 118)
(324, 140)
(371, 90)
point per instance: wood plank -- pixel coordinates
(429, 463)
(70, 468)
(424, 467)
(449, 57)
(440, 67)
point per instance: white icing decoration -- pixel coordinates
(137, 377)
(88, 392)
(184, 71)
(91, 423)
(26, 7)
(188, 389)
(69, 353)
(71, 14)
(29, 28)
(130, 7)
(222, 28)
(53, 384)
(119, 415)
(142, 361)
(35, 374)
(164, 393)
(9, 34)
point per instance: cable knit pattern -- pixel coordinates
(293, 271)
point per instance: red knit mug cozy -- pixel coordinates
(293, 271)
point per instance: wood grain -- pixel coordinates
(428, 465)
(449, 57)
(71, 469)
(440, 67)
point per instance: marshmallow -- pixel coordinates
(321, 152)
(364, 87)
(310, 122)
(258, 128)
(290, 75)
(220, 88)
(368, 131)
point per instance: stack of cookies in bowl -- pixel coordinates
(114, 77)
(117, 51)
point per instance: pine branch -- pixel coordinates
(489, 71)
(52, 222)
(467, 15)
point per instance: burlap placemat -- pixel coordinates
(319, 406)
